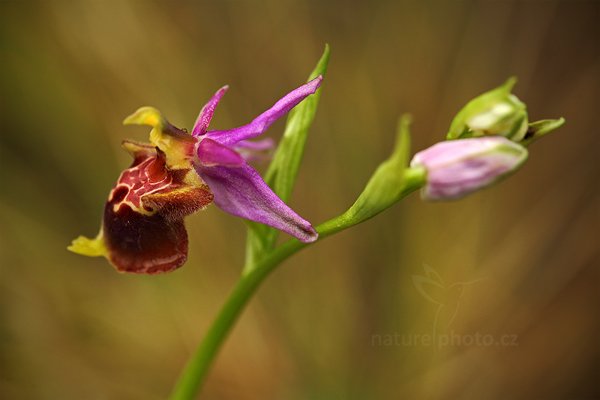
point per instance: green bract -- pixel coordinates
(282, 172)
(391, 181)
(540, 128)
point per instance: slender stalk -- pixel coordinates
(195, 372)
(197, 368)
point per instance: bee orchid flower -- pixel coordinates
(179, 173)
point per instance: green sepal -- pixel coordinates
(540, 128)
(89, 247)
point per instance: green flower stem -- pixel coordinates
(195, 372)
(197, 368)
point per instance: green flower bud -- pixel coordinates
(497, 112)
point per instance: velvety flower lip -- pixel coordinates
(142, 227)
(238, 189)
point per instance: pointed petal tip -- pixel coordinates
(310, 235)
(220, 92)
(316, 83)
(206, 114)
(242, 192)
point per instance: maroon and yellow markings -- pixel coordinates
(143, 227)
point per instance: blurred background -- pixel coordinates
(516, 266)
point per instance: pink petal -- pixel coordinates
(264, 120)
(206, 114)
(258, 151)
(211, 153)
(242, 192)
(258, 145)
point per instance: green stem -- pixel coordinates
(194, 373)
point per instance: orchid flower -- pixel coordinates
(178, 174)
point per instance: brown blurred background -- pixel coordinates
(343, 319)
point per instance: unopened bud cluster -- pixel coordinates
(486, 142)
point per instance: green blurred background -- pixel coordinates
(344, 318)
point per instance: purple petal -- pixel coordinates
(264, 120)
(211, 153)
(456, 181)
(257, 145)
(242, 192)
(206, 114)
(449, 151)
(255, 151)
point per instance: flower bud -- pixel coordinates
(497, 112)
(456, 168)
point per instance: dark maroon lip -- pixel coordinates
(141, 243)
(143, 225)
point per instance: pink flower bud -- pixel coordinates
(456, 168)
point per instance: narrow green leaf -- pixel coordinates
(283, 170)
